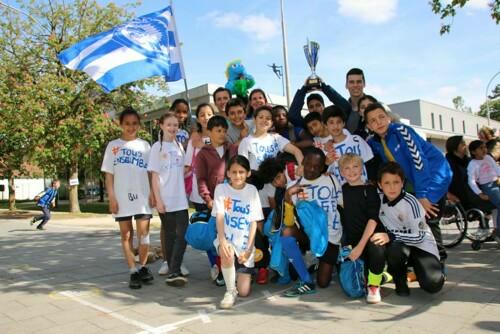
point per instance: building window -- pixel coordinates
(440, 122)
(432, 120)
(463, 126)
(452, 125)
(477, 128)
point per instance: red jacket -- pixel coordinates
(211, 169)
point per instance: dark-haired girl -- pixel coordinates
(237, 209)
(167, 165)
(125, 166)
(181, 109)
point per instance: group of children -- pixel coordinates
(240, 162)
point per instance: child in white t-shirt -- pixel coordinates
(125, 166)
(237, 209)
(166, 162)
(483, 173)
(260, 145)
(344, 142)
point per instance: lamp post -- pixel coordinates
(488, 111)
(285, 54)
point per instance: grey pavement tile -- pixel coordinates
(80, 327)
(32, 311)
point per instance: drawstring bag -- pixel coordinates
(351, 274)
(202, 231)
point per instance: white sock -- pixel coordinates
(230, 278)
(133, 270)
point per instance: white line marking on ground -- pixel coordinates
(201, 314)
(204, 317)
(268, 295)
(146, 327)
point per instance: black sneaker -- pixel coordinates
(176, 279)
(32, 221)
(146, 275)
(402, 289)
(40, 228)
(135, 281)
(219, 281)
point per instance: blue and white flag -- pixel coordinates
(141, 48)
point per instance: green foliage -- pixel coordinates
(448, 9)
(51, 116)
(459, 104)
(494, 107)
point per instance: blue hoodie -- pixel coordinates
(425, 167)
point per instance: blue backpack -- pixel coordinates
(202, 231)
(351, 275)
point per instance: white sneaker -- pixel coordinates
(184, 270)
(164, 268)
(214, 272)
(228, 300)
(373, 296)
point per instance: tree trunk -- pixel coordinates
(12, 193)
(74, 205)
(101, 189)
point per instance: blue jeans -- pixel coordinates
(45, 217)
(493, 191)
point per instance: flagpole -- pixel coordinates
(285, 55)
(182, 60)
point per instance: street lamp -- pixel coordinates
(487, 90)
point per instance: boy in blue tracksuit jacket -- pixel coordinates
(46, 200)
(425, 167)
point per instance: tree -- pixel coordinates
(459, 104)
(73, 110)
(447, 10)
(492, 104)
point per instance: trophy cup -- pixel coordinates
(311, 51)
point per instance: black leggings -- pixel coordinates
(427, 267)
(173, 244)
(374, 258)
(262, 243)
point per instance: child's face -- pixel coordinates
(257, 100)
(217, 135)
(355, 85)
(170, 126)
(312, 166)
(480, 152)
(461, 149)
(56, 185)
(391, 185)
(204, 115)
(264, 120)
(279, 180)
(280, 119)
(378, 121)
(236, 115)
(221, 99)
(335, 126)
(315, 106)
(362, 106)
(237, 174)
(181, 112)
(352, 171)
(130, 126)
(315, 128)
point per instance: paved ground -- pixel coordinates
(72, 278)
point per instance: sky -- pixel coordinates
(396, 43)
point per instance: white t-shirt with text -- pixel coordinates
(258, 149)
(168, 161)
(128, 162)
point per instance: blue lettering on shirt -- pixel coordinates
(131, 157)
(327, 198)
(262, 152)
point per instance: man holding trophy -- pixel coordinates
(315, 102)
